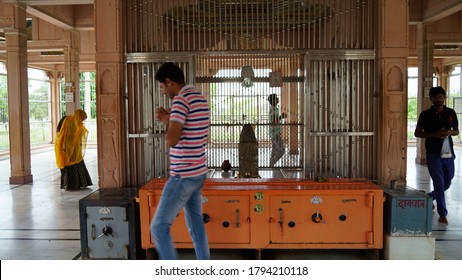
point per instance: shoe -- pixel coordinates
(443, 220)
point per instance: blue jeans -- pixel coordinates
(180, 193)
(441, 171)
(277, 148)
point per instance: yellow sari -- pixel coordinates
(71, 140)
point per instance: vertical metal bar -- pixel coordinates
(362, 22)
(193, 30)
(355, 94)
(149, 122)
(246, 35)
(315, 27)
(173, 26)
(156, 36)
(328, 90)
(336, 22)
(141, 26)
(325, 26)
(371, 24)
(209, 28)
(302, 32)
(320, 26)
(284, 40)
(308, 29)
(151, 27)
(340, 23)
(162, 25)
(323, 96)
(273, 24)
(136, 27)
(359, 21)
(347, 23)
(227, 22)
(171, 29)
(292, 23)
(355, 110)
(352, 23)
(139, 118)
(269, 24)
(181, 26)
(147, 27)
(368, 90)
(297, 27)
(333, 111)
(348, 93)
(240, 36)
(326, 111)
(343, 27)
(275, 19)
(320, 123)
(222, 23)
(351, 115)
(255, 28)
(342, 104)
(128, 15)
(128, 161)
(329, 24)
(307, 166)
(215, 12)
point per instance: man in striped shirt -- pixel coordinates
(187, 130)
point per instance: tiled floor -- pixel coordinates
(41, 221)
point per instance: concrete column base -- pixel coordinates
(409, 247)
(21, 180)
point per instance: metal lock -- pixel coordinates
(258, 208)
(258, 196)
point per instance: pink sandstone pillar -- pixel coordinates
(18, 98)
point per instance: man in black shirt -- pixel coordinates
(437, 124)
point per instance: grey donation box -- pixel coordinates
(109, 224)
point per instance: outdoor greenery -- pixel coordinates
(87, 79)
(39, 100)
(40, 107)
(3, 100)
(412, 116)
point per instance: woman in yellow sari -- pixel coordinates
(70, 144)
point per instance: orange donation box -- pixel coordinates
(278, 213)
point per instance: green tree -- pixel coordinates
(412, 109)
(38, 101)
(88, 78)
(3, 100)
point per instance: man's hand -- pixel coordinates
(444, 132)
(163, 115)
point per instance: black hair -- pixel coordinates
(171, 71)
(437, 90)
(272, 98)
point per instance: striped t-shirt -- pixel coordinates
(188, 157)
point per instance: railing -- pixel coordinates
(41, 134)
